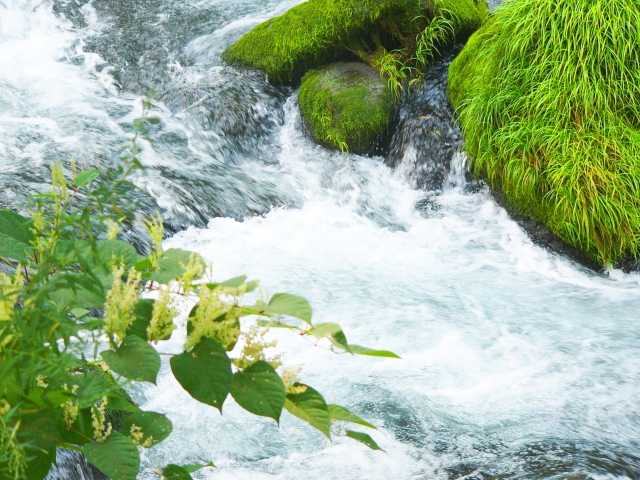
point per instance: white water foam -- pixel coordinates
(502, 342)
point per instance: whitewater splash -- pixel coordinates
(516, 363)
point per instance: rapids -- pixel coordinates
(516, 362)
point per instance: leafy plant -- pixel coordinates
(406, 66)
(547, 97)
(319, 32)
(80, 311)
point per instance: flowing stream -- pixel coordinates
(516, 362)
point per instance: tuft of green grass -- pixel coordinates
(318, 32)
(345, 106)
(548, 97)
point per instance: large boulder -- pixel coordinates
(345, 105)
(547, 97)
(318, 32)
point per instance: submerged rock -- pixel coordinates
(345, 105)
(546, 95)
(318, 32)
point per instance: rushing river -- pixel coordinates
(516, 363)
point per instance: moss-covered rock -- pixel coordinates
(547, 97)
(318, 32)
(345, 105)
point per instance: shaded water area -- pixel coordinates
(516, 362)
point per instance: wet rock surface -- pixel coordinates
(345, 105)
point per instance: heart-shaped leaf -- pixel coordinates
(259, 390)
(309, 406)
(154, 427)
(205, 372)
(135, 359)
(289, 304)
(117, 457)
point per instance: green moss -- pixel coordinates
(345, 105)
(548, 99)
(322, 31)
(466, 71)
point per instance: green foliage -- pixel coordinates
(116, 457)
(404, 67)
(317, 32)
(259, 390)
(547, 96)
(205, 372)
(147, 428)
(345, 106)
(306, 403)
(176, 472)
(134, 359)
(69, 289)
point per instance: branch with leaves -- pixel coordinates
(70, 289)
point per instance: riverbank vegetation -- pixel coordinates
(548, 96)
(81, 311)
(318, 32)
(396, 38)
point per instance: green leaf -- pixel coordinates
(16, 226)
(363, 438)
(154, 425)
(135, 359)
(175, 472)
(357, 349)
(234, 282)
(259, 390)
(48, 398)
(143, 313)
(342, 414)
(79, 313)
(110, 252)
(79, 298)
(86, 177)
(81, 430)
(15, 236)
(333, 332)
(119, 402)
(172, 265)
(289, 304)
(205, 372)
(117, 457)
(41, 435)
(91, 388)
(194, 468)
(309, 406)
